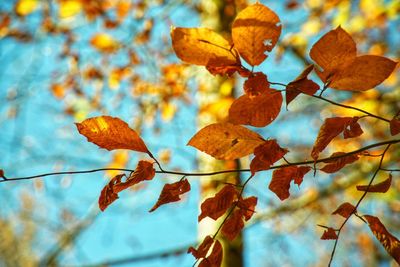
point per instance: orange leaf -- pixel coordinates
(203, 47)
(266, 154)
(255, 31)
(281, 179)
(353, 129)
(104, 43)
(203, 249)
(111, 133)
(336, 53)
(228, 70)
(345, 210)
(233, 225)
(247, 207)
(329, 234)
(215, 207)
(394, 126)
(215, 257)
(256, 84)
(226, 141)
(335, 49)
(381, 187)
(144, 171)
(258, 111)
(336, 164)
(171, 193)
(389, 242)
(301, 85)
(331, 128)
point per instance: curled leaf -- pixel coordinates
(203, 249)
(233, 225)
(214, 259)
(258, 111)
(381, 187)
(345, 210)
(336, 164)
(255, 31)
(171, 193)
(108, 195)
(111, 133)
(329, 234)
(281, 179)
(301, 85)
(226, 141)
(214, 207)
(247, 207)
(388, 241)
(266, 154)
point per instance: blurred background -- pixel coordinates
(62, 61)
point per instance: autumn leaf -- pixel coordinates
(214, 259)
(255, 31)
(215, 207)
(331, 128)
(345, 210)
(336, 164)
(388, 241)
(336, 54)
(381, 187)
(104, 43)
(171, 193)
(329, 234)
(247, 207)
(144, 171)
(233, 225)
(228, 70)
(256, 84)
(2, 174)
(301, 85)
(26, 7)
(394, 126)
(111, 133)
(281, 179)
(266, 154)
(202, 46)
(226, 141)
(353, 129)
(69, 8)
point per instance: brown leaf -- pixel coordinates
(301, 85)
(266, 154)
(255, 31)
(144, 171)
(203, 47)
(111, 133)
(353, 129)
(336, 48)
(233, 225)
(203, 249)
(345, 210)
(281, 179)
(215, 257)
(381, 187)
(394, 126)
(226, 141)
(215, 207)
(331, 128)
(336, 54)
(389, 242)
(256, 84)
(258, 111)
(329, 234)
(247, 207)
(171, 193)
(228, 70)
(336, 164)
(2, 174)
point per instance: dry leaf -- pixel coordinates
(233, 225)
(389, 242)
(281, 179)
(247, 207)
(255, 31)
(171, 193)
(256, 84)
(258, 111)
(394, 126)
(215, 257)
(381, 187)
(336, 164)
(111, 133)
(301, 85)
(329, 234)
(266, 154)
(226, 141)
(345, 210)
(215, 207)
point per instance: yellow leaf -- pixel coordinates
(104, 43)
(226, 141)
(26, 7)
(119, 160)
(255, 31)
(168, 111)
(203, 47)
(69, 8)
(111, 133)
